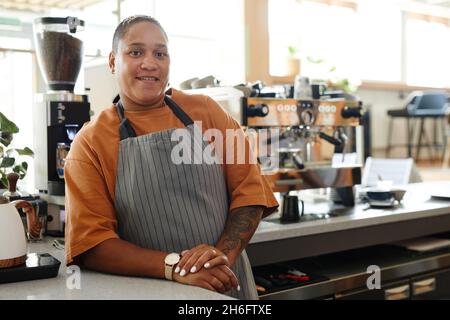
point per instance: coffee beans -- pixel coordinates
(60, 57)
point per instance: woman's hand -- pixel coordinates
(219, 279)
(200, 256)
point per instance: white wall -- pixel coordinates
(379, 101)
(100, 81)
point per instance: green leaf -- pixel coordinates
(7, 162)
(25, 165)
(4, 181)
(292, 50)
(25, 152)
(6, 138)
(6, 125)
(312, 60)
(20, 170)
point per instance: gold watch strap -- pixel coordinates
(169, 262)
(168, 271)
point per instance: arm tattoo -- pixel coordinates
(241, 221)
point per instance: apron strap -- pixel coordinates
(126, 129)
(179, 113)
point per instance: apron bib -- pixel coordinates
(172, 207)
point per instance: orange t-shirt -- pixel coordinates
(91, 166)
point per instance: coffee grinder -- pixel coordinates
(59, 113)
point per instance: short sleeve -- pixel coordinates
(90, 214)
(246, 185)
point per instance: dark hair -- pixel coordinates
(123, 27)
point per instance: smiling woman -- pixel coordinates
(142, 62)
(139, 213)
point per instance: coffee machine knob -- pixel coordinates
(257, 110)
(348, 112)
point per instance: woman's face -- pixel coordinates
(141, 65)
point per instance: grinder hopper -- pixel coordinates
(59, 50)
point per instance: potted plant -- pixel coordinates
(9, 157)
(292, 62)
(328, 76)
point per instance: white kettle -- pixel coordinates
(13, 241)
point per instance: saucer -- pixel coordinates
(383, 203)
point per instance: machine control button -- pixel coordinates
(257, 110)
(348, 112)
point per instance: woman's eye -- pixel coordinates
(135, 53)
(161, 54)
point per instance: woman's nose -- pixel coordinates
(149, 63)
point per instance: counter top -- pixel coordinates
(354, 227)
(360, 226)
(95, 285)
(417, 203)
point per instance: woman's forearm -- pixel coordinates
(121, 257)
(240, 226)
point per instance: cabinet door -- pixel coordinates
(364, 294)
(431, 286)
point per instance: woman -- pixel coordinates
(130, 209)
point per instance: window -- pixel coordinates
(427, 53)
(16, 90)
(378, 41)
(351, 39)
(206, 37)
(373, 40)
(319, 31)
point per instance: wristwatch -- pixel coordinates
(170, 261)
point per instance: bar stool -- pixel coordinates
(421, 105)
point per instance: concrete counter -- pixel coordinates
(96, 285)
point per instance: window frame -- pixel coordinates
(256, 17)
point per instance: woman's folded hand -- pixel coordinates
(201, 256)
(219, 279)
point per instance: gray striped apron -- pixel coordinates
(172, 207)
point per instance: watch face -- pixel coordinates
(172, 258)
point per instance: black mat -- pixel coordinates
(37, 266)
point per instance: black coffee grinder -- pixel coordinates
(58, 113)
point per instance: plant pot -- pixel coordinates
(292, 66)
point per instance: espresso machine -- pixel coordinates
(58, 113)
(307, 144)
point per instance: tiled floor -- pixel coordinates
(430, 173)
